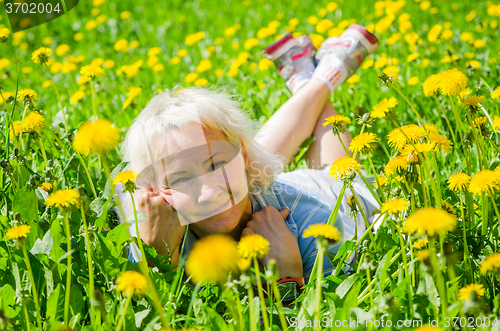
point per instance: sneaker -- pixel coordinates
(291, 55)
(352, 47)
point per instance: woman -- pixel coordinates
(202, 164)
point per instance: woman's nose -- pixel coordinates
(210, 192)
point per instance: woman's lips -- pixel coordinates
(220, 210)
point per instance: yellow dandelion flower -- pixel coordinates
(392, 72)
(125, 176)
(362, 142)
(34, 122)
(451, 82)
(496, 123)
(394, 206)
(336, 120)
(496, 93)
(431, 85)
(203, 66)
(412, 57)
(91, 71)
(465, 292)
(399, 137)
(458, 181)
(490, 264)
(63, 198)
(423, 255)
(4, 34)
(383, 107)
(448, 207)
(343, 166)
(41, 55)
(440, 141)
(47, 186)
(27, 95)
(131, 283)
(99, 137)
(253, 246)
(17, 232)
(484, 182)
(382, 180)
(244, 264)
(396, 166)
(416, 148)
(17, 130)
(480, 123)
(472, 101)
(326, 231)
(430, 221)
(212, 258)
(420, 243)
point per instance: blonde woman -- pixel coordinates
(204, 164)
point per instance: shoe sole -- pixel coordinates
(369, 41)
(281, 46)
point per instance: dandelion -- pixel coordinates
(17, 130)
(4, 34)
(440, 141)
(382, 180)
(27, 95)
(131, 283)
(423, 255)
(448, 207)
(480, 124)
(46, 187)
(91, 71)
(99, 137)
(394, 206)
(431, 85)
(465, 292)
(485, 181)
(472, 101)
(496, 123)
(326, 231)
(396, 166)
(451, 82)
(337, 122)
(362, 142)
(490, 264)
(390, 73)
(253, 246)
(34, 122)
(496, 93)
(63, 198)
(421, 148)
(458, 181)
(17, 232)
(212, 258)
(401, 136)
(420, 243)
(430, 221)
(343, 167)
(383, 107)
(41, 55)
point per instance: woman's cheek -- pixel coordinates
(237, 178)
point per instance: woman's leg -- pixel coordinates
(299, 118)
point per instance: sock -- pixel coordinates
(331, 71)
(300, 78)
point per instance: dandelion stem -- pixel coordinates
(372, 239)
(251, 307)
(343, 146)
(460, 126)
(90, 266)
(34, 291)
(411, 105)
(376, 177)
(439, 277)
(405, 265)
(319, 277)
(447, 120)
(277, 295)
(484, 203)
(494, 205)
(139, 240)
(40, 143)
(93, 100)
(124, 313)
(261, 295)
(58, 98)
(82, 162)
(68, 268)
(26, 318)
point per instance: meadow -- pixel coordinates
(423, 111)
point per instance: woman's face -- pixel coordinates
(202, 175)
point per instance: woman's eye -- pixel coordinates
(179, 182)
(217, 165)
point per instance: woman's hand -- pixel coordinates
(270, 223)
(162, 225)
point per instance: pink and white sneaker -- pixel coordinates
(351, 48)
(294, 59)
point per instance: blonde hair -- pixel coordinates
(215, 109)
